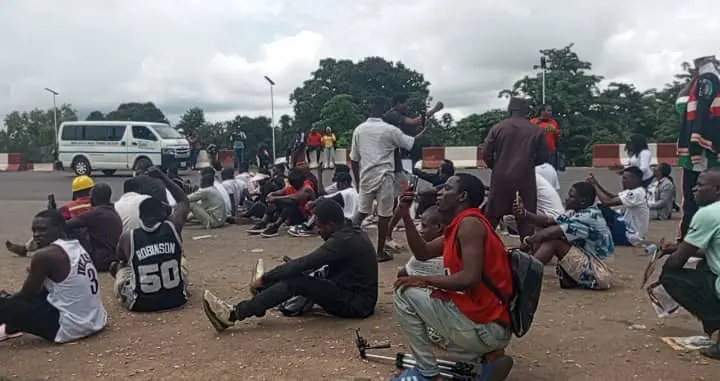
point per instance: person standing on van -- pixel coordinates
(195, 145)
(238, 140)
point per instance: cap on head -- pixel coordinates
(82, 183)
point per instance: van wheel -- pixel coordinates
(142, 162)
(108, 172)
(81, 167)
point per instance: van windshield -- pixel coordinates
(167, 132)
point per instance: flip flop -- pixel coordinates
(4, 336)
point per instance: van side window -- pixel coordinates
(143, 133)
(93, 133)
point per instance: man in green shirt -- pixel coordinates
(698, 290)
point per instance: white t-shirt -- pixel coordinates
(549, 202)
(225, 196)
(430, 267)
(234, 188)
(77, 298)
(373, 146)
(549, 173)
(636, 214)
(642, 161)
(350, 199)
(128, 208)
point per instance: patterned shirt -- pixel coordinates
(587, 230)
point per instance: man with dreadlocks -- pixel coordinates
(699, 140)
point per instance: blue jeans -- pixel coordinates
(466, 340)
(193, 157)
(238, 156)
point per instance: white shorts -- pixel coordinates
(384, 195)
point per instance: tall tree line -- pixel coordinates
(337, 93)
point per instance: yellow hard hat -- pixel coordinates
(81, 183)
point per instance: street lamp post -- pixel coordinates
(543, 67)
(272, 113)
(55, 129)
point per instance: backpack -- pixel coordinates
(300, 305)
(527, 276)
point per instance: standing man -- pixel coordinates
(699, 142)
(372, 159)
(409, 126)
(195, 145)
(512, 149)
(238, 141)
(552, 132)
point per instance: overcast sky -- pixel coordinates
(213, 54)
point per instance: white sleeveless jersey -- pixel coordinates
(77, 298)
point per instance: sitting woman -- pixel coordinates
(580, 239)
(661, 193)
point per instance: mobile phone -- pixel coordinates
(51, 201)
(413, 182)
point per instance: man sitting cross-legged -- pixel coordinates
(579, 238)
(698, 290)
(207, 204)
(152, 274)
(60, 300)
(286, 205)
(349, 291)
(457, 305)
(344, 194)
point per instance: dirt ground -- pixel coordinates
(577, 335)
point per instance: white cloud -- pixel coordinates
(184, 53)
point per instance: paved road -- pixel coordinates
(35, 186)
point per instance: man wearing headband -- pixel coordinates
(152, 274)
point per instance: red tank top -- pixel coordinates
(480, 305)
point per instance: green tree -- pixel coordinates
(138, 112)
(342, 114)
(191, 120)
(95, 115)
(373, 76)
(32, 133)
(473, 129)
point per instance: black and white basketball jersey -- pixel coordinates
(156, 260)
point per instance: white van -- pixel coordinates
(109, 146)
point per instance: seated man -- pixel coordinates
(431, 227)
(152, 187)
(103, 225)
(349, 291)
(579, 239)
(207, 205)
(630, 227)
(220, 188)
(457, 305)
(286, 205)
(60, 300)
(152, 275)
(235, 190)
(128, 206)
(549, 203)
(345, 195)
(81, 187)
(332, 188)
(698, 290)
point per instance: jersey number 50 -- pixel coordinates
(154, 277)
